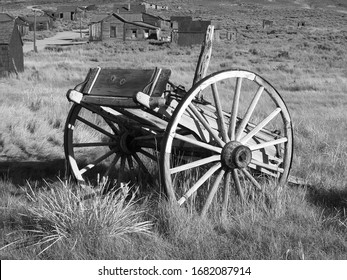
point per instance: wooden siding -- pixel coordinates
(11, 53)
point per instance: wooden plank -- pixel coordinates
(205, 56)
(121, 82)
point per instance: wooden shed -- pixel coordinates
(129, 8)
(11, 48)
(42, 22)
(66, 12)
(114, 26)
(188, 32)
(22, 25)
(164, 25)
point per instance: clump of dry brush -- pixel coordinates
(62, 214)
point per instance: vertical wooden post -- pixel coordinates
(35, 48)
(205, 55)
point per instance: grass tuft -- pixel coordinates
(62, 214)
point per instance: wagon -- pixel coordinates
(229, 133)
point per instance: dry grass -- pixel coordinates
(307, 66)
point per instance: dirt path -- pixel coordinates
(63, 38)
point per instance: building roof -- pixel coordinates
(98, 17)
(62, 9)
(134, 8)
(194, 26)
(144, 25)
(6, 30)
(137, 23)
(39, 19)
(5, 17)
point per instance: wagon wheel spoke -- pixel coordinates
(252, 179)
(206, 125)
(268, 144)
(147, 154)
(141, 165)
(93, 144)
(113, 127)
(131, 167)
(97, 161)
(235, 109)
(195, 164)
(121, 170)
(96, 127)
(249, 112)
(212, 192)
(238, 186)
(267, 166)
(198, 143)
(226, 195)
(220, 114)
(260, 126)
(112, 165)
(199, 183)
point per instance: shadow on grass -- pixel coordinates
(19, 172)
(331, 199)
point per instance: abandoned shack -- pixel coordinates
(42, 22)
(188, 32)
(164, 25)
(11, 49)
(129, 8)
(66, 12)
(114, 26)
(22, 25)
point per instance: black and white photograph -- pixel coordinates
(173, 131)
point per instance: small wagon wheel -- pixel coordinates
(232, 130)
(102, 142)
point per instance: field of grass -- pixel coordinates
(307, 66)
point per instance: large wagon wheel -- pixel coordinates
(101, 142)
(242, 133)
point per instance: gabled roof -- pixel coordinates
(98, 17)
(5, 17)
(62, 9)
(6, 29)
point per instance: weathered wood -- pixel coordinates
(235, 109)
(205, 56)
(212, 193)
(249, 112)
(199, 183)
(195, 164)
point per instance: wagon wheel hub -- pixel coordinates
(235, 155)
(124, 144)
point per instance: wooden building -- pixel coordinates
(115, 26)
(129, 8)
(188, 32)
(164, 25)
(42, 22)
(11, 48)
(66, 12)
(22, 25)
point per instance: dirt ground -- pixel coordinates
(63, 38)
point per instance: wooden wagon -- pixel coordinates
(231, 130)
